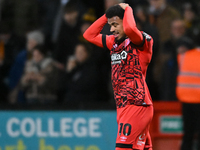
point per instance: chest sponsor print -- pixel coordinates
(117, 57)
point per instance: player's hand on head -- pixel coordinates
(123, 5)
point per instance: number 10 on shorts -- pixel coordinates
(125, 129)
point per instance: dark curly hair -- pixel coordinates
(115, 10)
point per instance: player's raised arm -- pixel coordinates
(129, 25)
(92, 34)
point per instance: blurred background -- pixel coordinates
(55, 87)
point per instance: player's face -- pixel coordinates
(116, 27)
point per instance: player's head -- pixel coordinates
(115, 16)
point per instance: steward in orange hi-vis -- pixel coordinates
(188, 79)
(188, 92)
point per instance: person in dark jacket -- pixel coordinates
(10, 46)
(83, 76)
(170, 69)
(166, 53)
(68, 34)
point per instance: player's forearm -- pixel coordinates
(92, 34)
(130, 28)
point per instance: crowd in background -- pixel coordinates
(44, 58)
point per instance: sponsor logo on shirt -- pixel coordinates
(115, 45)
(116, 58)
(141, 139)
(147, 36)
(123, 138)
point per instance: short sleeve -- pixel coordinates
(147, 43)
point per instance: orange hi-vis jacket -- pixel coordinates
(188, 79)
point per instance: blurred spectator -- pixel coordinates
(39, 78)
(77, 5)
(162, 15)
(143, 24)
(188, 92)
(168, 50)
(10, 45)
(68, 35)
(100, 55)
(83, 76)
(170, 70)
(33, 38)
(87, 19)
(58, 19)
(192, 21)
